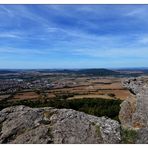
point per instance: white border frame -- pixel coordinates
(73, 2)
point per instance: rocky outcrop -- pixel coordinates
(21, 124)
(134, 110)
(127, 110)
(133, 84)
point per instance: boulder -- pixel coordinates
(22, 124)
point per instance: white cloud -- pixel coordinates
(135, 12)
(9, 35)
(21, 51)
(143, 39)
(113, 53)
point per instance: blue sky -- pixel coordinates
(73, 36)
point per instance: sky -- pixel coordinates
(73, 36)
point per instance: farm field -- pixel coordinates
(105, 88)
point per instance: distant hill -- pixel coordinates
(133, 71)
(100, 72)
(8, 71)
(91, 71)
(95, 72)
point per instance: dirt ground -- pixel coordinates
(2, 97)
(103, 87)
(90, 96)
(107, 88)
(26, 96)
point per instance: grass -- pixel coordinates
(128, 136)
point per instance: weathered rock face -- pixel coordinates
(142, 136)
(23, 124)
(133, 84)
(127, 110)
(134, 110)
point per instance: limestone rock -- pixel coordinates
(126, 113)
(133, 84)
(134, 110)
(142, 136)
(21, 124)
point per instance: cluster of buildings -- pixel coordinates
(63, 84)
(9, 86)
(12, 85)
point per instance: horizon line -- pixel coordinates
(73, 68)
